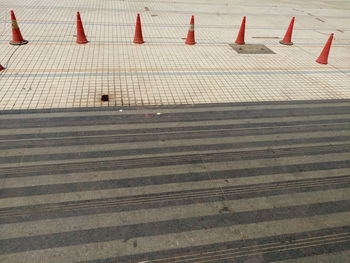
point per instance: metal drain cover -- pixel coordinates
(251, 49)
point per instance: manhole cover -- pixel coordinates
(251, 49)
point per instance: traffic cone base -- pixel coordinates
(81, 37)
(287, 40)
(240, 37)
(19, 43)
(190, 43)
(323, 58)
(82, 42)
(17, 38)
(320, 61)
(138, 39)
(190, 40)
(286, 43)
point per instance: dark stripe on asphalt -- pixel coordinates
(168, 179)
(177, 106)
(127, 232)
(169, 117)
(37, 170)
(160, 130)
(167, 199)
(172, 136)
(167, 150)
(266, 249)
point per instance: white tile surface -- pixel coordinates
(54, 72)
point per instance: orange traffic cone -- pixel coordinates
(81, 37)
(190, 35)
(138, 39)
(1, 68)
(240, 37)
(17, 38)
(287, 40)
(323, 58)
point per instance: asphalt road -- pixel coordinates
(258, 182)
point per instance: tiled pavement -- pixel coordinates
(54, 72)
(263, 182)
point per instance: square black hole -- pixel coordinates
(105, 98)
